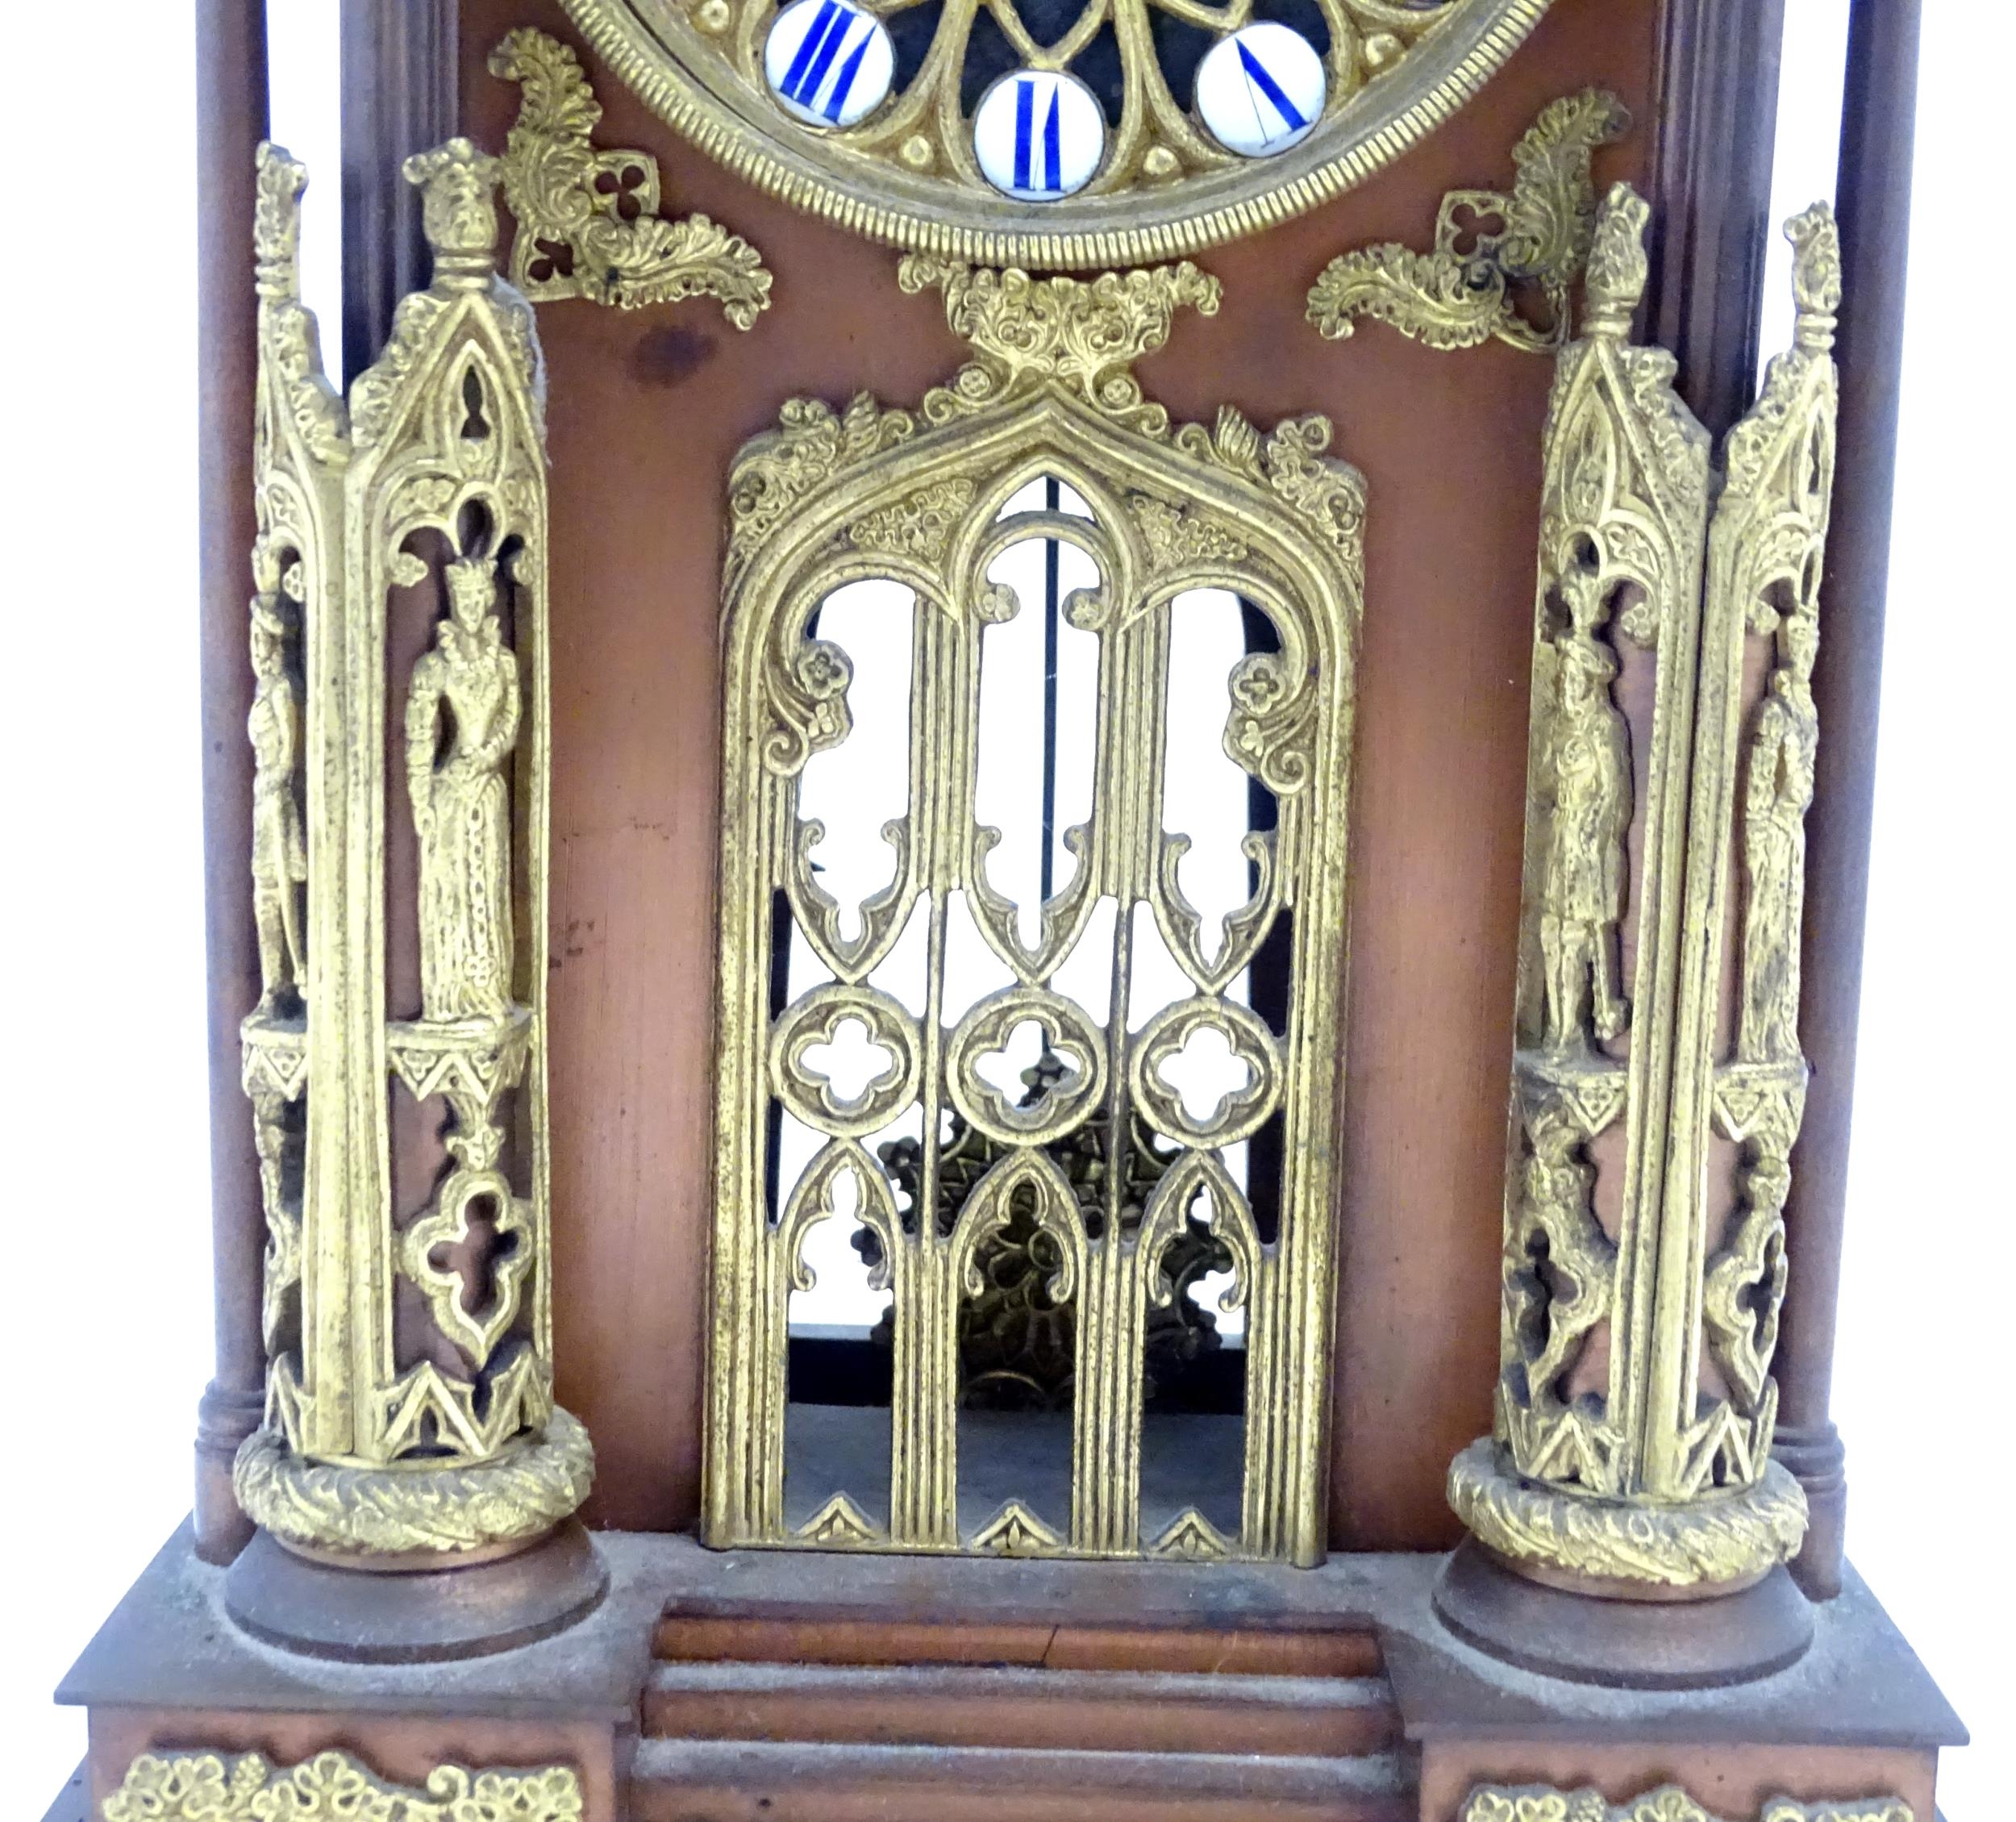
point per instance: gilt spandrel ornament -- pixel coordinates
(589, 224)
(1099, 1181)
(1503, 264)
(1656, 1469)
(462, 721)
(437, 1435)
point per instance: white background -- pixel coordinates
(104, 1267)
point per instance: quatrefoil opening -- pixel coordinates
(1071, 1075)
(469, 1256)
(1206, 1072)
(821, 1066)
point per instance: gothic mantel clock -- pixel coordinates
(1033, 979)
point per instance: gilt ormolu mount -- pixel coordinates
(1120, 1482)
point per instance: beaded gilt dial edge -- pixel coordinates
(907, 173)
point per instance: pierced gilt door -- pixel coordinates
(1048, 1071)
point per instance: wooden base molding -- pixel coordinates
(720, 1685)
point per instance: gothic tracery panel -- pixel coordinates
(1043, 1159)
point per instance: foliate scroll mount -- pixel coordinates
(1083, 333)
(589, 224)
(1542, 1803)
(1492, 249)
(199, 1786)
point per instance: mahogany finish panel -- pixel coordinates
(937, 1707)
(730, 1637)
(648, 409)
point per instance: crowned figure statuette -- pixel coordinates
(462, 722)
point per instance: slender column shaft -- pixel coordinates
(230, 111)
(399, 76)
(1873, 203)
(1717, 84)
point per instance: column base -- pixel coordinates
(1624, 1644)
(1815, 1456)
(225, 1418)
(414, 1616)
(1693, 1550)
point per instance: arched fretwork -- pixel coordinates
(926, 501)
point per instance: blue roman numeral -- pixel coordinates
(1259, 76)
(823, 42)
(843, 83)
(1047, 161)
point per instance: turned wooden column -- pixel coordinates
(1718, 82)
(399, 68)
(1874, 204)
(230, 120)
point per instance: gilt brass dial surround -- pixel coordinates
(907, 173)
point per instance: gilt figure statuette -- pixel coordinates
(462, 721)
(1588, 773)
(279, 853)
(1779, 792)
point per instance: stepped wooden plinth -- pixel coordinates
(761, 1687)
